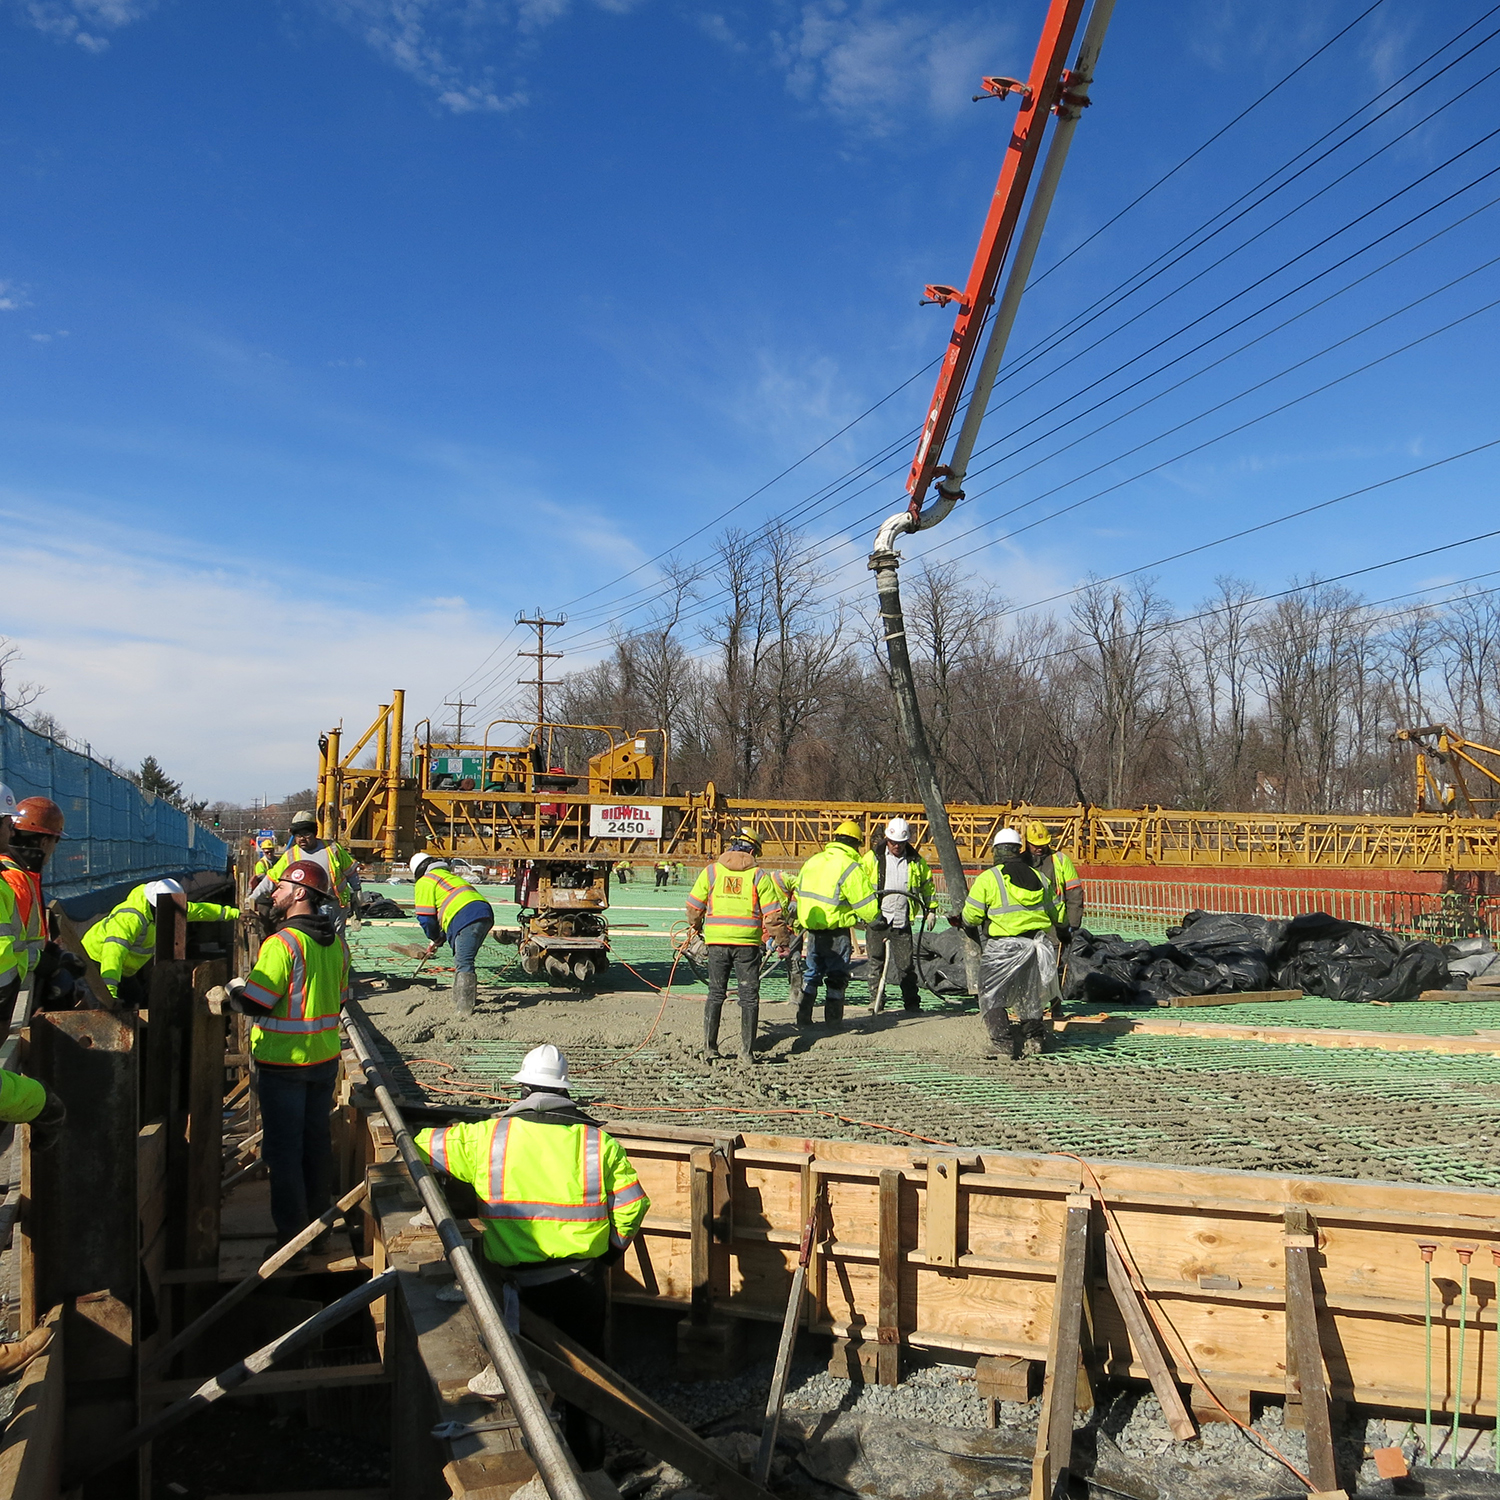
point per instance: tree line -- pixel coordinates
(1116, 699)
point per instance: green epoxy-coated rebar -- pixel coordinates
(1463, 1254)
(1427, 1248)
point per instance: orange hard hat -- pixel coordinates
(39, 815)
(307, 873)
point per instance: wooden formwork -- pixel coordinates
(959, 1251)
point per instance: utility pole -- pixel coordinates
(1050, 88)
(542, 655)
(458, 708)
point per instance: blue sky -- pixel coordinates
(334, 332)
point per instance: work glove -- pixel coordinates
(954, 921)
(1064, 936)
(880, 924)
(47, 1126)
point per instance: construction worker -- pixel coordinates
(560, 1201)
(124, 942)
(268, 856)
(1016, 912)
(16, 938)
(450, 910)
(834, 894)
(293, 996)
(622, 872)
(36, 831)
(895, 867)
(1060, 870)
(663, 873)
(735, 907)
(334, 858)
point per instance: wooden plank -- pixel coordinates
(700, 1217)
(585, 1381)
(1461, 996)
(1297, 1036)
(276, 1382)
(1246, 997)
(1054, 1443)
(205, 1121)
(1305, 1350)
(1143, 1340)
(32, 1446)
(888, 1329)
(940, 1226)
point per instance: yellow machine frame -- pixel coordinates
(382, 814)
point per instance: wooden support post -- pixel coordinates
(888, 1332)
(1305, 1349)
(205, 1121)
(708, 1346)
(167, 1009)
(1054, 1444)
(1148, 1350)
(84, 1226)
(940, 1231)
(700, 1208)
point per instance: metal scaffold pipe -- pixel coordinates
(553, 1461)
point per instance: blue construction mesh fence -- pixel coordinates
(117, 834)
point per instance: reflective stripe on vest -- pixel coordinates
(493, 1204)
(455, 894)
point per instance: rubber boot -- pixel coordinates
(1033, 1038)
(711, 1013)
(807, 999)
(833, 1011)
(1001, 1048)
(465, 993)
(911, 996)
(749, 1022)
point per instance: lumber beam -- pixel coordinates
(1296, 1036)
(277, 1382)
(205, 1121)
(1245, 997)
(1143, 1339)
(888, 1329)
(1304, 1349)
(1054, 1442)
(31, 1448)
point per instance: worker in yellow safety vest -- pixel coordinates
(899, 871)
(293, 996)
(267, 858)
(124, 942)
(1058, 867)
(334, 858)
(20, 914)
(834, 895)
(450, 910)
(1015, 911)
(560, 1201)
(736, 908)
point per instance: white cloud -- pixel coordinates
(85, 22)
(12, 297)
(227, 678)
(877, 64)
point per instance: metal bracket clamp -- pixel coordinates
(942, 296)
(999, 88)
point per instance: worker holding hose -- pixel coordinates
(450, 910)
(560, 1202)
(735, 907)
(1016, 912)
(903, 880)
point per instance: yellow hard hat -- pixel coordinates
(746, 835)
(1038, 834)
(848, 829)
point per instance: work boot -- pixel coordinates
(807, 998)
(1033, 1038)
(465, 993)
(749, 1021)
(833, 1011)
(711, 1013)
(911, 996)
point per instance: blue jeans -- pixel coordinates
(297, 1146)
(465, 944)
(827, 957)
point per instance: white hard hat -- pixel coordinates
(544, 1067)
(163, 888)
(419, 862)
(898, 830)
(7, 801)
(1009, 836)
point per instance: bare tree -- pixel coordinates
(15, 696)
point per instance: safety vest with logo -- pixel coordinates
(21, 1098)
(548, 1191)
(28, 941)
(307, 983)
(124, 942)
(440, 896)
(735, 904)
(1008, 910)
(333, 857)
(834, 891)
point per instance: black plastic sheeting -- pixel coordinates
(1225, 953)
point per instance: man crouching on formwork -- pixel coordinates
(1016, 912)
